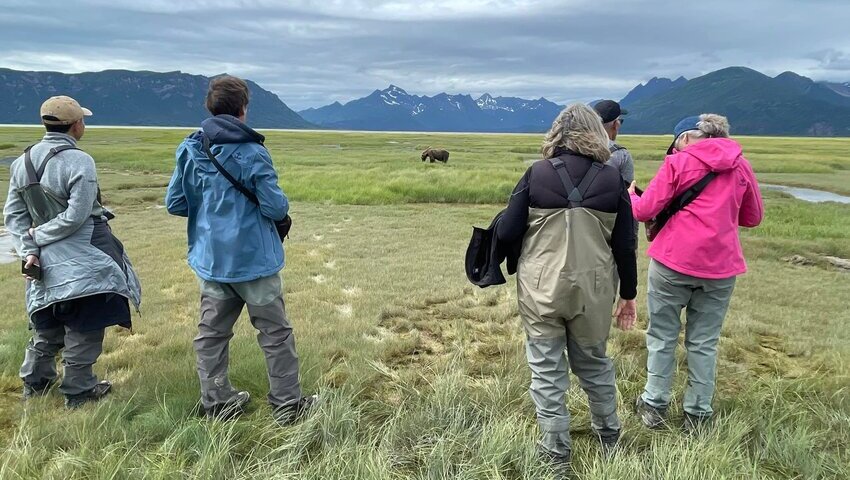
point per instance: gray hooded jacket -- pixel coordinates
(79, 256)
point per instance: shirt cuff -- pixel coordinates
(628, 294)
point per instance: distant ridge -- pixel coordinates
(123, 97)
(756, 104)
(655, 86)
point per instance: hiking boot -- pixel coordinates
(695, 424)
(95, 394)
(232, 408)
(650, 416)
(561, 465)
(290, 414)
(610, 445)
(37, 390)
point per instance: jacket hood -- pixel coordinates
(719, 154)
(222, 129)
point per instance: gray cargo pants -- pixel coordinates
(221, 305)
(578, 321)
(707, 302)
(81, 351)
(550, 382)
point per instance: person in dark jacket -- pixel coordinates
(573, 241)
(236, 252)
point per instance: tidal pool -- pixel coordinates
(808, 194)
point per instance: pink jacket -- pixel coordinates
(702, 239)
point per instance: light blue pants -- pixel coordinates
(706, 302)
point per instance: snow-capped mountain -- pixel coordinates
(395, 109)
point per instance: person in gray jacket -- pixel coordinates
(612, 120)
(79, 279)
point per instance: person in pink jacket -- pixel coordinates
(695, 259)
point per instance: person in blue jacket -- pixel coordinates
(236, 252)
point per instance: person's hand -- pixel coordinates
(31, 232)
(626, 314)
(32, 260)
(632, 188)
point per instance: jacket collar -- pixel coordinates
(561, 151)
(55, 137)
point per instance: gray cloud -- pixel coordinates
(314, 52)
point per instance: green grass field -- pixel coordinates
(422, 375)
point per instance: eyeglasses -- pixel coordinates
(622, 120)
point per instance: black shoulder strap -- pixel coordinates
(616, 147)
(253, 198)
(34, 176)
(684, 198)
(589, 177)
(575, 194)
(561, 170)
(690, 194)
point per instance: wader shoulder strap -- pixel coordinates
(253, 198)
(575, 194)
(33, 175)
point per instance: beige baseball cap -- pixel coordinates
(62, 110)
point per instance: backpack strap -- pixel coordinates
(576, 194)
(34, 176)
(616, 147)
(253, 198)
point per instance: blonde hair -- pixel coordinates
(578, 128)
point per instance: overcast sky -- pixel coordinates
(315, 52)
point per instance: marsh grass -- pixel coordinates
(422, 375)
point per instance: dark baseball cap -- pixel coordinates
(609, 110)
(686, 124)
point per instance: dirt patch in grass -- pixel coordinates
(477, 325)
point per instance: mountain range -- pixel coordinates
(122, 97)
(395, 109)
(756, 104)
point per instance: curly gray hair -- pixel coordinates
(711, 125)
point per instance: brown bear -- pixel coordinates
(435, 154)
